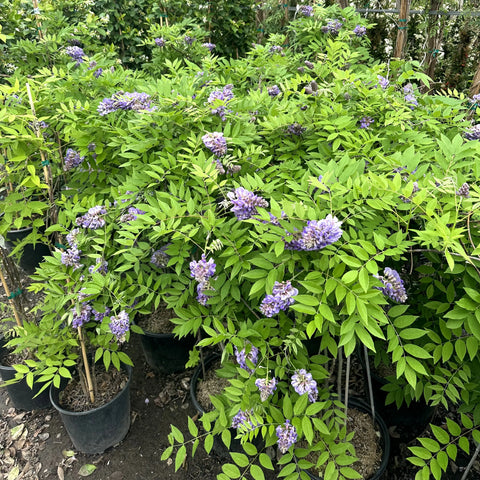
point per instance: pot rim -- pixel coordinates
(61, 410)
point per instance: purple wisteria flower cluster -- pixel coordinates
(98, 72)
(464, 190)
(131, 215)
(241, 357)
(303, 382)
(82, 316)
(188, 39)
(210, 46)
(281, 298)
(365, 122)
(332, 27)
(287, 436)
(276, 49)
(266, 387)
(273, 91)
(224, 96)
(160, 42)
(409, 97)
(305, 10)
(383, 82)
(216, 143)
(101, 266)
(93, 218)
(139, 102)
(316, 235)
(202, 271)
(296, 129)
(159, 258)
(72, 159)
(393, 285)
(99, 316)
(473, 133)
(72, 237)
(360, 31)
(119, 325)
(71, 257)
(243, 420)
(245, 203)
(75, 53)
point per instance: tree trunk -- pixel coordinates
(402, 29)
(434, 38)
(343, 3)
(475, 88)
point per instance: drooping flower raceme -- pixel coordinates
(209, 45)
(216, 143)
(473, 133)
(317, 234)
(287, 436)
(159, 258)
(273, 91)
(360, 31)
(93, 219)
(72, 237)
(101, 266)
(393, 285)
(409, 96)
(72, 159)
(139, 102)
(296, 129)
(266, 387)
(245, 203)
(132, 214)
(160, 42)
(464, 190)
(306, 10)
(224, 96)
(332, 27)
(119, 325)
(82, 316)
(75, 53)
(365, 122)
(99, 316)
(242, 357)
(303, 382)
(71, 257)
(243, 420)
(282, 297)
(202, 271)
(383, 82)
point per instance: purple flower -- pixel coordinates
(383, 82)
(202, 297)
(393, 285)
(296, 129)
(202, 270)
(97, 72)
(243, 420)
(91, 147)
(125, 101)
(409, 96)
(216, 143)
(310, 65)
(188, 40)
(317, 234)
(101, 266)
(208, 45)
(464, 190)
(159, 258)
(75, 53)
(245, 203)
(82, 316)
(365, 122)
(273, 91)
(305, 10)
(92, 219)
(160, 42)
(332, 27)
(276, 49)
(71, 257)
(132, 214)
(270, 306)
(106, 106)
(284, 292)
(92, 65)
(119, 325)
(303, 382)
(223, 96)
(72, 159)
(287, 436)
(266, 387)
(473, 133)
(360, 31)
(242, 357)
(99, 316)
(72, 237)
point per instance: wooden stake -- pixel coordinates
(86, 365)
(369, 381)
(12, 303)
(37, 17)
(434, 38)
(402, 29)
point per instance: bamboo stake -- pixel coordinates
(37, 17)
(12, 303)
(369, 381)
(402, 29)
(86, 365)
(347, 382)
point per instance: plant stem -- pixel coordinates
(347, 382)
(85, 365)
(12, 303)
(339, 372)
(470, 463)
(369, 381)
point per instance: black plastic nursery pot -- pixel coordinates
(96, 430)
(219, 448)
(166, 353)
(417, 414)
(21, 395)
(32, 255)
(360, 405)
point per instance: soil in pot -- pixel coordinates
(163, 351)
(210, 385)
